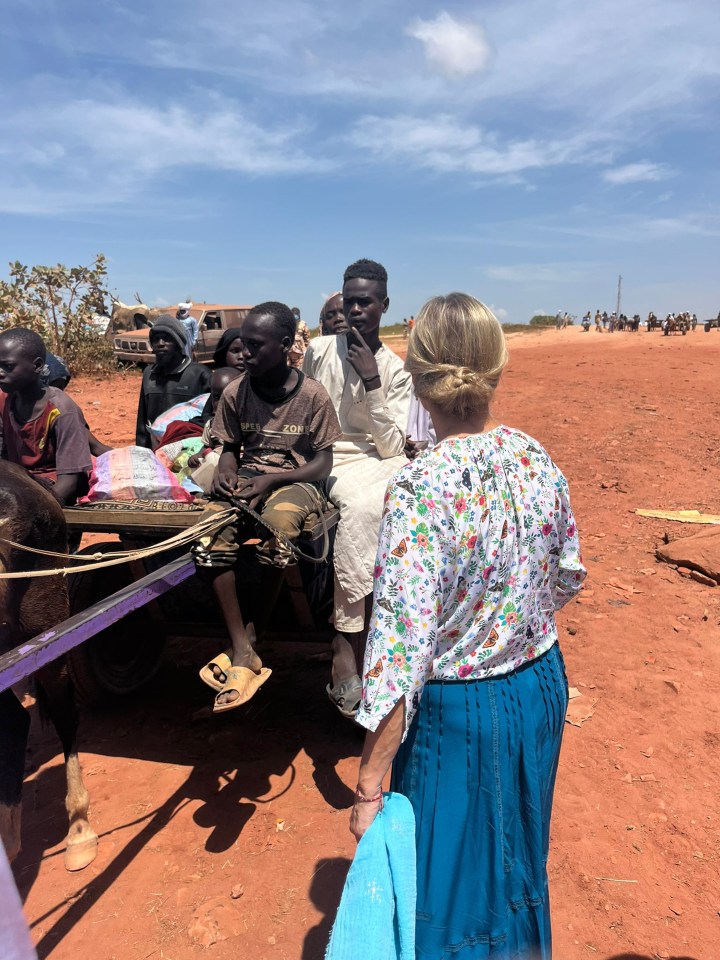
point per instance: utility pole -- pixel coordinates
(617, 310)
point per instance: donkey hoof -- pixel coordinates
(80, 854)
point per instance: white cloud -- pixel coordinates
(562, 85)
(149, 139)
(621, 64)
(81, 154)
(637, 173)
(500, 312)
(539, 272)
(443, 143)
(639, 228)
(458, 49)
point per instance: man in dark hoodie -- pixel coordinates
(173, 378)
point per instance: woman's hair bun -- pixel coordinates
(465, 377)
(456, 354)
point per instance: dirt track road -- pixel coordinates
(193, 812)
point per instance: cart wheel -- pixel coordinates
(124, 657)
(707, 328)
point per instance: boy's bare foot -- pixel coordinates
(249, 660)
(241, 684)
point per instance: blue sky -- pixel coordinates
(526, 152)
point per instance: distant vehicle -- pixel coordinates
(133, 346)
(710, 324)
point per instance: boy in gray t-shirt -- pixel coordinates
(278, 428)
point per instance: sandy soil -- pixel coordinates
(235, 829)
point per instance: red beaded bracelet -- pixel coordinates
(363, 799)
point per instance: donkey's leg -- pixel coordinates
(82, 841)
(55, 688)
(14, 724)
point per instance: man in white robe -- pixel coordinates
(370, 391)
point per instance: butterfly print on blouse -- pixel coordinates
(376, 670)
(406, 486)
(400, 550)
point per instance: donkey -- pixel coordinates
(30, 514)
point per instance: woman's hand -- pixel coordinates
(362, 816)
(381, 746)
(195, 460)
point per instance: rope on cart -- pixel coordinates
(246, 508)
(206, 527)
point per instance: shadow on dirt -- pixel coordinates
(642, 956)
(237, 759)
(325, 892)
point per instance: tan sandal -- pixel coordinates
(223, 662)
(244, 682)
(347, 696)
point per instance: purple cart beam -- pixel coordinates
(25, 660)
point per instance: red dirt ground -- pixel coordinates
(190, 810)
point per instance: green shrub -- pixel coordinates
(61, 303)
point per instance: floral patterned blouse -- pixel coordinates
(478, 549)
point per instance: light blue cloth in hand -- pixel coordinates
(376, 916)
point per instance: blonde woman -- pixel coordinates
(464, 688)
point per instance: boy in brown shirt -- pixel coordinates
(41, 428)
(278, 428)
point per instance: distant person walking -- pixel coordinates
(406, 329)
(189, 322)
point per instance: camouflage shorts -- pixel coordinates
(285, 510)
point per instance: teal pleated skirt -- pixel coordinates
(479, 768)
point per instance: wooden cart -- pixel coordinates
(123, 616)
